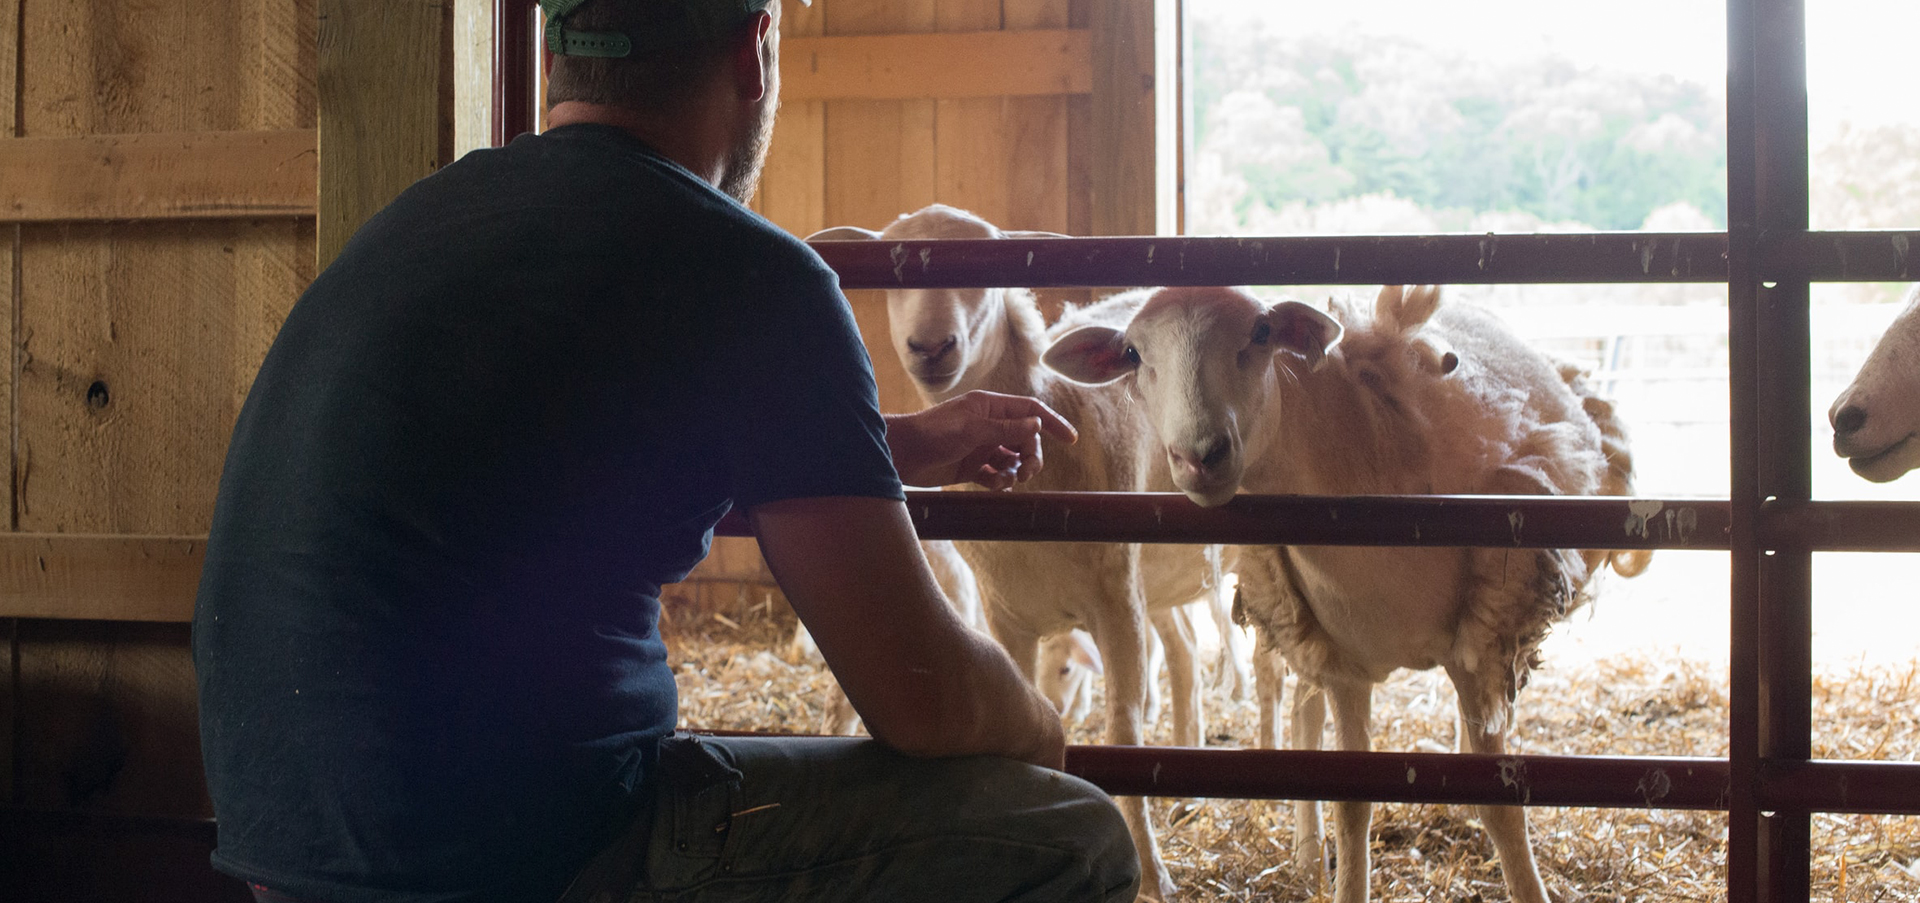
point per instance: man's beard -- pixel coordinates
(749, 154)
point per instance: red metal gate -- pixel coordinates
(1768, 785)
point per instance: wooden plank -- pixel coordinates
(182, 175)
(889, 17)
(1080, 154)
(115, 578)
(1036, 13)
(170, 319)
(969, 15)
(385, 86)
(106, 67)
(280, 63)
(793, 186)
(10, 39)
(109, 710)
(137, 344)
(10, 292)
(1132, 172)
(960, 64)
(970, 163)
(472, 75)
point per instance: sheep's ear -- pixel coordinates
(843, 233)
(1092, 355)
(1017, 233)
(1302, 329)
(1405, 307)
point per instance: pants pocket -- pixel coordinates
(705, 787)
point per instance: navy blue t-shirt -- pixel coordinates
(509, 412)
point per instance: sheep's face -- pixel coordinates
(939, 334)
(1201, 363)
(1876, 420)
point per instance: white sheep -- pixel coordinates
(1413, 398)
(1876, 418)
(956, 340)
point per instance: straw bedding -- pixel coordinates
(737, 670)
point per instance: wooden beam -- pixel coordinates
(119, 578)
(946, 65)
(1132, 190)
(182, 175)
(386, 99)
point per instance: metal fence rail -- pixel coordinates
(1587, 257)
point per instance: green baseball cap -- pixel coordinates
(710, 16)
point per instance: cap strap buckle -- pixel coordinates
(562, 42)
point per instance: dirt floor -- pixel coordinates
(738, 670)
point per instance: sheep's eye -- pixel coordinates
(1261, 331)
(1132, 355)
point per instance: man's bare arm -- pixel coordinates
(923, 682)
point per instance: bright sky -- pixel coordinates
(1857, 49)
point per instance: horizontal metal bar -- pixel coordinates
(1870, 788)
(1627, 257)
(1607, 782)
(1841, 526)
(1878, 256)
(1289, 260)
(1530, 522)
(1275, 774)
(1493, 521)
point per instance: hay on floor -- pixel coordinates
(738, 670)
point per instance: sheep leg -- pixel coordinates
(1156, 658)
(1269, 682)
(1506, 825)
(1174, 626)
(1307, 726)
(1352, 714)
(1235, 671)
(1021, 643)
(1119, 629)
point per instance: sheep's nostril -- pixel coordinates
(931, 350)
(1849, 420)
(1216, 454)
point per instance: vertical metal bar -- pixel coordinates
(1785, 623)
(513, 99)
(1744, 837)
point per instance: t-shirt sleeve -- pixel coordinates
(802, 414)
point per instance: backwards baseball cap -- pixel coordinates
(709, 17)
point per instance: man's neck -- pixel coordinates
(690, 141)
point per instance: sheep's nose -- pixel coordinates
(931, 350)
(1203, 458)
(1216, 454)
(1849, 419)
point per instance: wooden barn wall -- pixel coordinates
(131, 345)
(173, 172)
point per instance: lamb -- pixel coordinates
(1413, 398)
(957, 340)
(1876, 418)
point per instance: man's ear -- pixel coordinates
(752, 59)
